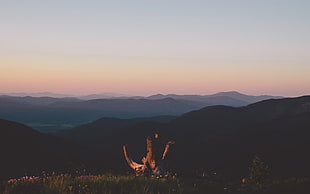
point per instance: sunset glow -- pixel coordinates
(143, 48)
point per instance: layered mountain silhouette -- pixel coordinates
(49, 114)
(25, 151)
(222, 138)
(232, 98)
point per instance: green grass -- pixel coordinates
(104, 184)
(93, 184)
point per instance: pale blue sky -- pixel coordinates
(240, 39)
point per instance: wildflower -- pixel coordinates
(12, 181)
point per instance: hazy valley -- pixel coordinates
(49, 114)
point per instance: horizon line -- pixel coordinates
(119, 95)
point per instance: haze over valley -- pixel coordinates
(49, 114)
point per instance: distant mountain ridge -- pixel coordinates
(232, 94)
(232, 98)
(51, 114)
(37, 94)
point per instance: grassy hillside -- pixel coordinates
(103, 184)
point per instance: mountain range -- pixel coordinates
(221, 138)
(49, 114)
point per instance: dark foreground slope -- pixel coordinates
(223, 138)
(26, 151)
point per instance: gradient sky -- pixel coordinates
(163, 46)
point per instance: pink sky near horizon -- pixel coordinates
(144, 48)
(72, 76)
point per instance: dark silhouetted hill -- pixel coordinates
(95, 134)
(220, 137)
(25, 151)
